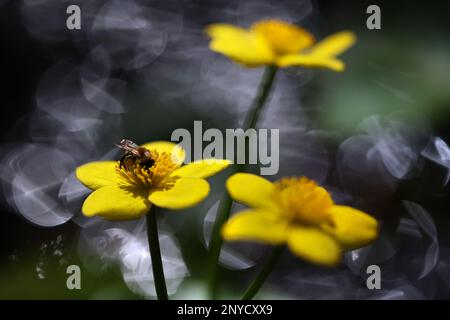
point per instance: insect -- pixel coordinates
(135, 153)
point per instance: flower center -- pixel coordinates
(284, 38)
(151, 173)
(303, 200)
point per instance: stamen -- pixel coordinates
(303, 200)
(284, 38)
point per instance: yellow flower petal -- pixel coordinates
(116, 203)
(95, 175)
(201, 168)
(314, 245)
(309, 60)
(253, 191)
(257, 225)
(246, 47)
(177, 152)
(284, 38)
(334, 45)
(185, 193)
(351, 227)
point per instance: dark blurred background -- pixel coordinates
(403, 66)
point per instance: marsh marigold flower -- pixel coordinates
(275, 42)
(299, 213)
(126, 189)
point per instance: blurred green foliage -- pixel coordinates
(388, 77)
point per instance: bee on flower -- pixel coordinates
(146, 176)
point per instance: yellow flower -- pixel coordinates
(127, 189)
(275, 42)
(299, 213)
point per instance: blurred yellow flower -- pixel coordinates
(127, 189)
(299, 213)
(275, 42)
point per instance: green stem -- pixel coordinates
(263, 274)
(263, 92)
(216, 242)
(223, 213)
(155, 253)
